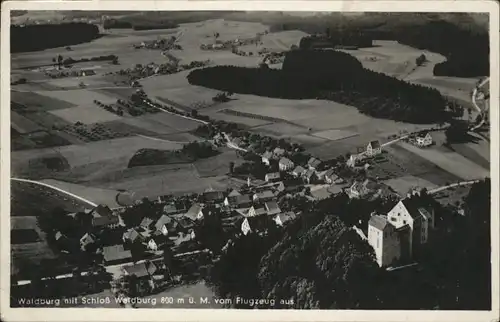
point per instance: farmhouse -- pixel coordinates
(155, 242)
(254, 211)
(132, 236)
(234, 193)
(423, 139)
(285, 164)
(309, 176)
(330, 177)
(388, 241)
(101, 211)
(241, 201)
(144, 273)
(86, 72)
(163, 224)
(373, 148)
(170, 209)
(363, 189)
(183, 238)
(273, 176)
(116, 254)
(86, 240)
(256, 224)
(146, 222)
(263, 196)
(272, 208)
(298, 171)
(195, 212)
(105, 222)
(282, 219)
(267, 157)
(313, 163)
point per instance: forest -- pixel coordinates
(318, 262)
(331, 75)
(46, 36)
(466, 49)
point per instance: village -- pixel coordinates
(141, 240)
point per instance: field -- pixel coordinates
(451, 162)
(21, 124)
(398, 162)
(96, 195)
(88, 114)
(402, 185)
(34, 102)
(90, 153)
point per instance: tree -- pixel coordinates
(320, 264)
(59, 61)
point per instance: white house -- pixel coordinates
(423, 139)
(152, 245)
(162, 224)
(245, 227)
(266, 157)
(363, 189)
(373, 148)
(86, 240)
(331, 177)
(285, 164)
(273, 176)
(298, 171)
(195, 212)
(240, 201)
(254, 212)
(309, 175)
(313, 163)
(282, 219)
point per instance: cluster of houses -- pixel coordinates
(421, 139)
(312, 172)
(82, 72)
(163, 44)
(230, 44)
(398, 235)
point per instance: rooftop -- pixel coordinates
(378, 222)
(140, 270)
(116, 252)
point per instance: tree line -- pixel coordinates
(331, 75)
(465, 46)
(44, 36)
(138, 25)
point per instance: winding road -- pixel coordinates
(480, 111)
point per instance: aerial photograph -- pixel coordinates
(250, 160)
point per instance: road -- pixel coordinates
(456, 184)
(90, 203)
(481, 112)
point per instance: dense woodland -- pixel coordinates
(337, 76)
(137, 24)
(466, 49)
(319, 262)
(50, 36)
